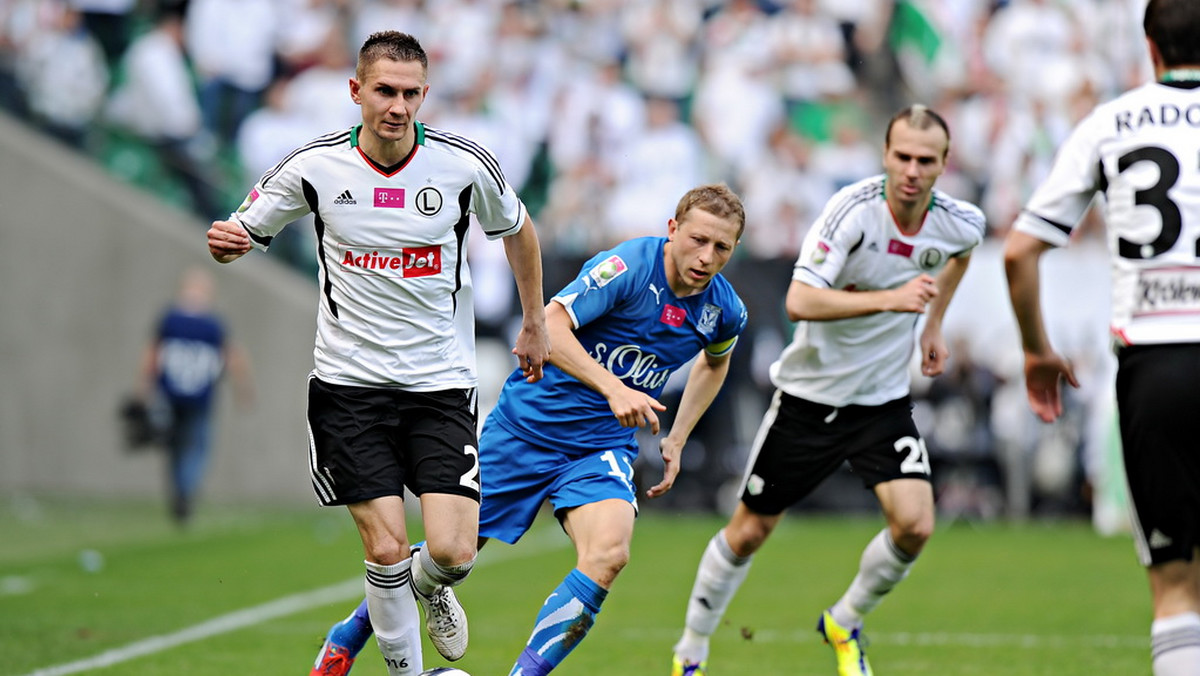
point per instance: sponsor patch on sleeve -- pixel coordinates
(248, 201)
(607, 270)
(820, 253)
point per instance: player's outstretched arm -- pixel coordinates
(1044, 368)
(633, 408)
(227, 241)
(532, 348)
(703, 383)
(809, 303)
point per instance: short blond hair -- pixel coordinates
(718, 200)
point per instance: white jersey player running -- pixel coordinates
(391, 402)
(1140, 151)
(883, 252)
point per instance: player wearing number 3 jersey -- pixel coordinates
(1142, 152)
(885, 252)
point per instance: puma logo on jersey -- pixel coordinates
(345, 198)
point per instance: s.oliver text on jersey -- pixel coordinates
(629, 363)
(407, 262)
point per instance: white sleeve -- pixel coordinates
(272, 204)
(1063, 197)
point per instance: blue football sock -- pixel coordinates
(564, 620)
(352, 633)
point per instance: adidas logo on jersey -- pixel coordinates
(345, 198)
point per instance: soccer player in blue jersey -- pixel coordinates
(634, 315)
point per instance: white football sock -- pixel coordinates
(882, 566)
(394, 617)
(427, 575)
(1175, 645)
(718, 577)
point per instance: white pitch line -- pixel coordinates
(539, 542)
(287, 605)
(977, 640)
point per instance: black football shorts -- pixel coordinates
(368, 442)
(800, 443)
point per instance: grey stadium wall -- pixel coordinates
(86, 266)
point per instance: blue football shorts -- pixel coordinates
(519, 475)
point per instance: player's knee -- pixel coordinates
(386, 552)
(911, 535)
(453, 554)
(747, 536)
(607, 562)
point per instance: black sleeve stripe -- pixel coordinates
(326, 141)
(518, 222)
(310, 196)
(812, 272)
(460, 234)
(846, 205)
(861, 238)
(480, 153)
(1061, 226)
(263, 240)
(959, 212)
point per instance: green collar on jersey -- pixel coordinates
(358, 128)
(1181, 75)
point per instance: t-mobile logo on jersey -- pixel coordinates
(409, 262)
(389, 198)
(673, 316)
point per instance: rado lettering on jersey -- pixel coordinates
(408, 262)
(1168, 291)
(628, 362)
(1166, 115)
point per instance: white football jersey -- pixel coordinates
(395, 307)
(856, 246)
(1142, 152)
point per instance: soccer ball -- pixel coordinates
(444, 671)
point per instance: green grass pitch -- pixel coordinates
(113, 588)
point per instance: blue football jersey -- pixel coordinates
(629, 320)
(190, 356)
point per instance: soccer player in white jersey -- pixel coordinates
(634, 314)
(391, 401)
(1141, 151)
(884, 252)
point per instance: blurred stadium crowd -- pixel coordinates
(603, 112)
